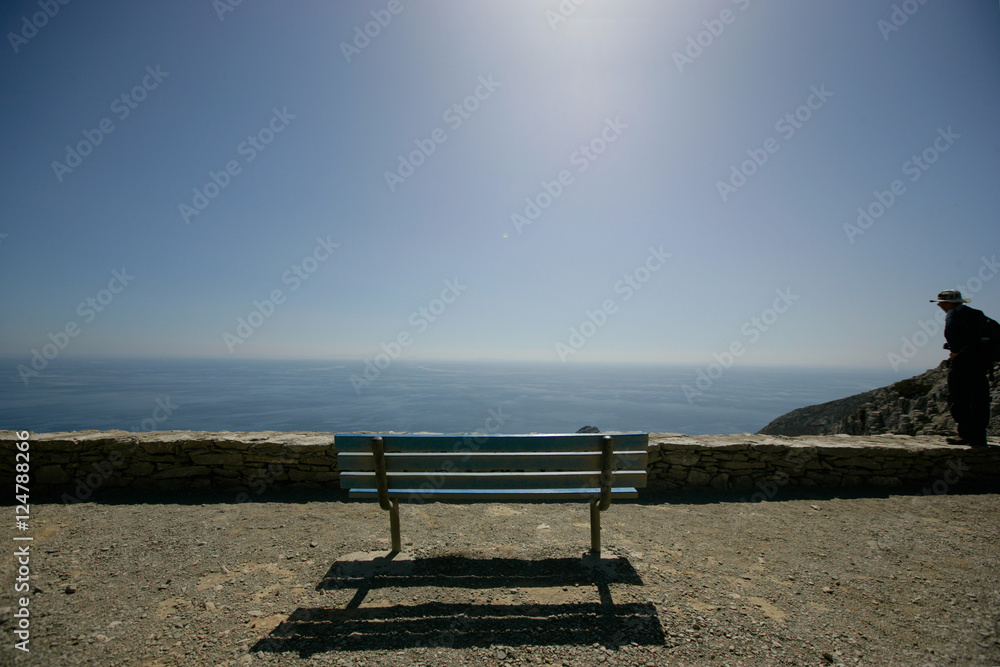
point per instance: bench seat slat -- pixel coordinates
(493, 495)
(485, 461)
(494, 480)
(461, 443)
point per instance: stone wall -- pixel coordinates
(78, 465)
(761, 464)
(82, 463)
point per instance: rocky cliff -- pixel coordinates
(917, 406)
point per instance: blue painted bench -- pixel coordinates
(420, 468)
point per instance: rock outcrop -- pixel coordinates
(917, 406)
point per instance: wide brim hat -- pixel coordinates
(950, 296)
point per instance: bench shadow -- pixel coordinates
(434, 624)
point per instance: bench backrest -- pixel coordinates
(487, 467)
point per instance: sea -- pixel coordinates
(437, 396)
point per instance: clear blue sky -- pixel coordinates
(835, 99)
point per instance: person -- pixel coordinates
(968, 368)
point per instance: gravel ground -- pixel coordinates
(300, 579)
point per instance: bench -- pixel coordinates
(419, 468)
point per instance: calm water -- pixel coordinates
(240, 395)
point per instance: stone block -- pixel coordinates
(729, 447)
(745, 465)
(58, 445)
(676, 473)
(141, 469)
(230, 444)
(196, 444)
(306, 449)
(217, 459)
(319, 459)
(860, 462)
(698, 478)
(51, 475)
(158, 447)
(682, 458)
(769, 448)
(743, 482)
(720, 482)
(658, 484)
(312, 476)
(268, 452)
(181, 472)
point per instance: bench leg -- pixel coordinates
(595, 527)
(394, 525)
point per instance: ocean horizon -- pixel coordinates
(146, 394)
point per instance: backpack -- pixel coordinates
(991, 340)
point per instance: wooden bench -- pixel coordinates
(460, 468)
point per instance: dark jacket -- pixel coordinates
(964, 332)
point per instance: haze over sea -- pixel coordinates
(257, 395)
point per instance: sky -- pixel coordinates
(734, 182)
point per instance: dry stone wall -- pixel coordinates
(761, 465)
(76, 466)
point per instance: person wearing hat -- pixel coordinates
(968, 384)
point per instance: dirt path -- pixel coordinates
(685, 580)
